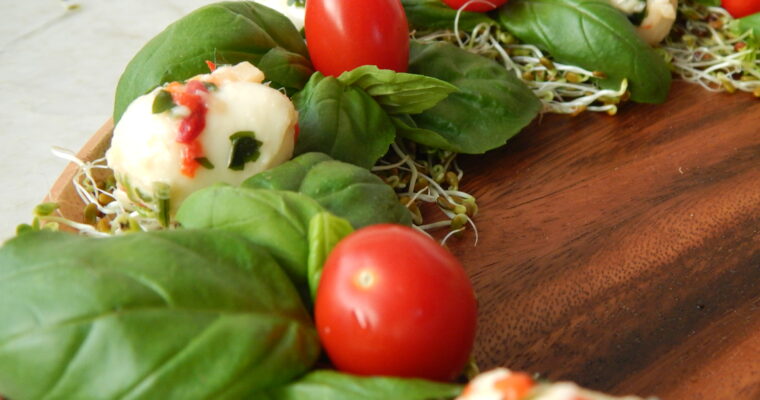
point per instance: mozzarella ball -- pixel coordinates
(145, 149)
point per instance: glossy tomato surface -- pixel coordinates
(344, 34)
(476, 6)
(741, 8)
(392, 301)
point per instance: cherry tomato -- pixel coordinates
(741, 8)
(393, 302)
(344, 34)
(476, 6)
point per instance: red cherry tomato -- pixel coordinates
(741, 8)
(476, 6)
(344, 34)
(393, 302)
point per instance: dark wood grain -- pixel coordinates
(624, 252)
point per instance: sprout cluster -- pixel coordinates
(422, 175)
(104, 211)
(706, 47)
(562, 89)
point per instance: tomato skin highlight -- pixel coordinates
(480, 6)
(393, 302)
(741, 8)
(344, 34)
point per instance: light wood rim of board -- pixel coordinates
(63, 191)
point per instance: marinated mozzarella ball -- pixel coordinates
(498, 384)
(629, 6)
(181, 137)
(658, 20)
(661, 14)
(503, 384)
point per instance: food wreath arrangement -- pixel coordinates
(270, 219)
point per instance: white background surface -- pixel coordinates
(58, 75)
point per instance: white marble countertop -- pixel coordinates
(58, 73)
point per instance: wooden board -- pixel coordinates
(620, 252)
(624, 252)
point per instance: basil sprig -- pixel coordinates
(490, 106)
(397, 92)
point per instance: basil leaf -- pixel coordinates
(162, 102)
(325, 231)
(173, 314)
(275, 220)
(345, 190)
(225, 33)
(426, 15)
(244, 149)
(751, 22)
(288, 69)
(341, 121)
(594, 35)
(712, 3)
(288, 175)
(327, 384)
(398, 92)
(491, 106)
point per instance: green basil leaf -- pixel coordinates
(594, 35)
(751, 22)
(398, 92)
(426, 15)
(173, 314)
(275, 220)
(491, 106)
(712, 3)
(333, 385)
(345, 190)
(285, 68)
(288, 175)
(325, 231)
(341, 121)
(162, 102)
(225, 33)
